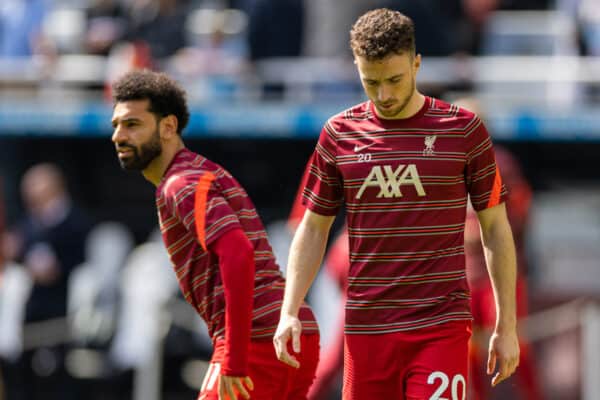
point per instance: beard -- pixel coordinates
(143, 155)
(393, 112)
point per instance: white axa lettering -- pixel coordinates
(389, 180)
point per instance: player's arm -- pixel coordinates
(236, 264)
(306, 254)
(200, 206)
(498, 244)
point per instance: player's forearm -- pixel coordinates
(304, 260)
(236, 264)
(502, 267)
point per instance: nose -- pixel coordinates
(118, 135)
(384, 93)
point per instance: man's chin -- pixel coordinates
(128, 165)
(388, 113)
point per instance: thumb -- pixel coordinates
(491, 364)
(249, 383)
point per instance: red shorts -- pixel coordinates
(424, 364)
(273, 380)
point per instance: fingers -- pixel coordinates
(230, 387)
(287, 358)
(506, 367)
(491, 363)
(498, 378)
(222, 389)
(503, 372)
(248, 382)
(280, 342)
(230, 392)
(239, 385)
(226, 389)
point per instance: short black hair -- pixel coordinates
(382, 32)
(166, 97)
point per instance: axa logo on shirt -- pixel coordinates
(389, 180)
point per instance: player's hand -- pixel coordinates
(230, 386)
(503, 353)
(289, 328)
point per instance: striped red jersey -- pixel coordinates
(225, 206)
(405, 185)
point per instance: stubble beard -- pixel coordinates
(143, 155)
(397, 110)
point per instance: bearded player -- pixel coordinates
(217, 244)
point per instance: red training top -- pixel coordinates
(405, 184)
(198, 202)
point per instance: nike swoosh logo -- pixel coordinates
(358, 148)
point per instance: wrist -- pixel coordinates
(234, 372)
(506, 327)
(289, 311)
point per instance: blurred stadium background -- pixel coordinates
(262, 77)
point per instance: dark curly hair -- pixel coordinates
(381, 32)
(165, 95)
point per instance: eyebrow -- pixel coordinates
(397, 76)
(126, 119)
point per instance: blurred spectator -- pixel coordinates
(49, 243)
(106, 25)
(470, 16)
(328, 23)
(217, 48)
(526, 4)
(276, 28)
(431, 25)
(160, 24)
(2, 261)
(587, 15)
(20, 26)
(2, 225)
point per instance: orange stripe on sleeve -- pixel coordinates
(496, 190)
(200, 201)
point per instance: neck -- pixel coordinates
(157, 167)
(412, 107)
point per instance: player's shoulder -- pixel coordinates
(349, 118)
(181, 179)
(448, 112)
(187, 172)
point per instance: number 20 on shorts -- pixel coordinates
(444, 381)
